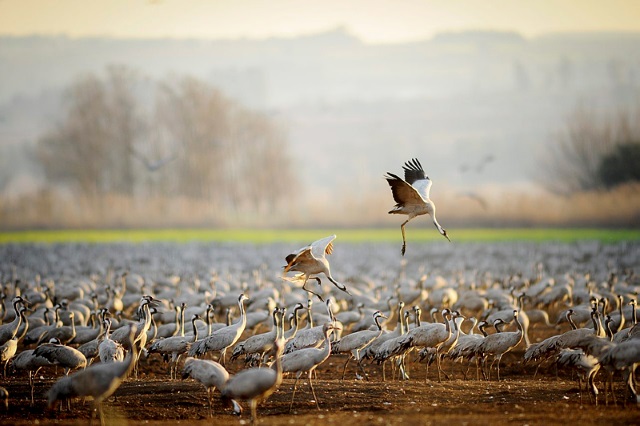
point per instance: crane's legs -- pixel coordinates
(312, 292)
(404, 240)
(313, 392)
(364, 373)
(293, 395)
(344, 370)
(254, 410)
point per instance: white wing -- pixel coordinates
(323, 246)
(423, 186)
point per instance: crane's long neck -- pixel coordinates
(208, 320)
(570, 319)
(309, 316)
(242, 322)
(195, 329)
(26, 324)
(182, 309)
(481, 328)
(400, 318)
(129, 363)
(516, 318)
(327, 345)
(296, 321)
(147, 318)
(377, 321)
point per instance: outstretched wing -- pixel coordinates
(303, 256)
(403, 193)
(323, 246)
(414, 175)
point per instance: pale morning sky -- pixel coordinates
(385, 21)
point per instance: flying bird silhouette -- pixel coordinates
(411, 195)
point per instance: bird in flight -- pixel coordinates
(310, 261)
(411, 195)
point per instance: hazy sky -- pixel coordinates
(372, 20)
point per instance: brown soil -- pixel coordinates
(518, 398)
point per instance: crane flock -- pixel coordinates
(102, 327)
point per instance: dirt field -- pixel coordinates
(518, 398)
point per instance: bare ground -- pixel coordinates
(518, 398)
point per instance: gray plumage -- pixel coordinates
(353, 343)
(210, 374)
(98, 381)
(26, 360)
(223, 338)
(498, 344)
(256, 384)
(109, 350)
(67, 357)
(258, 343)
(307, 360)
(8, 331)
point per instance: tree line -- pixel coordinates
(125, 134)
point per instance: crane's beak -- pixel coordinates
(444, 234)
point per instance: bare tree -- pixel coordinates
(74, 152)
(574, 160)
(193, 142)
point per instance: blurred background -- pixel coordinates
(255, 113)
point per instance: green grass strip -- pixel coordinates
(264, 236)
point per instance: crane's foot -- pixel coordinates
(404, 248)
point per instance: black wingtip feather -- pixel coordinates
(413, 165)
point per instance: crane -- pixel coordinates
(310, 260)
(26, 360)
(66, 356)
(223, 338)
(306, 360)
(500, 343)
(353, 343)
(255, 384)
(98, 381)
(210, 374)
(411, 195)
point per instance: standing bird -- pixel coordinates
(26, 360)
(8, 351)
(499, 344)
(256, 384)
(223, 338)
(66, 356)
(353, 343)
(211, 374)
(306, 360)
(412, 196)
(98, 381)
(8, 331)
(310, 260)
(109, 350)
